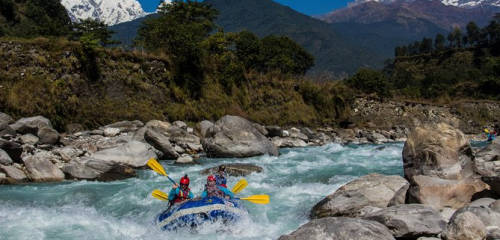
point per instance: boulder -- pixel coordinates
(493, 233)
(111, 132)
(29, 139)
(465, 226)
(5, 158)
(438, 164)
(3, 178)
(5, 129)
(487, 164)
(162, 143)
(42, 170)
(203, 127)
(233, 136)
(68, 153)
(371, 190)
(184, 159)
(13, 149)
(274, 131)
(133, 153)
(235, 169)
(48, 135)
(261, 129)
(376, 138)
(73, 128)
(296, 133)
(180, 124)
(482, 202)
(31, 124)
(14, 175)
(308, 132)
(126, 126)
(157, 125)
(5, 118)
(340, 228)
(495, 206)
(488, 216)
(92, 169)
(410, 221)
(184, 139)
(288, 142)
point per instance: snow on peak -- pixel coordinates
(456, 3)
(109, 11)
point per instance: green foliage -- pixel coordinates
(285, 55)
(93, 30)
(370, 81)
(7, 10)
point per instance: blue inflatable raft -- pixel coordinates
(195, 212)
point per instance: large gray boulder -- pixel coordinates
(410, 221)
(288, 142)
(184, 139)
(157, 125)
(373, 190)
(203, 127)
(134, 154)
(5, 118)
(31, 124)
(235, 169)
(465, 226)
(91, 169)
(42, 170)
(234, 136)
(14, 175)
(48, 135)
(438, 164)
(487, 164)
(340, 228)
(5, 158)
(161, 142)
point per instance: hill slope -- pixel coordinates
(332, 52)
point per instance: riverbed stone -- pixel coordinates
(29, 139)
(133, 153)
(482, 202)
(31, 124)
(374, 190)
(111, 132)
(180, 124)
(68, 153)
(495, 206)
(126, 126)
(13, 149)
(274, 131)
(288, 142)
(5, 158)
(465, 226)
(92, 169)
(184, 159)
(162, 143)
(438, 164)
(156, 125)
(410, 221)
(234, 136)
(487, 164)
(16, 175)
(184, 139)
(235, 169)
(48, 135)
(73, 128)
(42, 170)
(340, 228)
(5, 118)
(203, 127)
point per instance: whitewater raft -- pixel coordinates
(196, 212)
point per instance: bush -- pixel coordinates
(370, 81)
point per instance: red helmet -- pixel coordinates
(185, 180)
(210, 178)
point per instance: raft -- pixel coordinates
(196, 212)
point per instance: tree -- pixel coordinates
(456, 37)
(426, 45)
(93, 30)
(248, 50)
(473, 33)
(178, 31)
(282, 53)
(401, 51)
(370, 81)
(439, 42)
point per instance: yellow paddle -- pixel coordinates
(157, 167)
(242, 184)
(257, 199)
(159, 195)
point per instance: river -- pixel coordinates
(295, 181)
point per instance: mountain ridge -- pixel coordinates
(109, 12)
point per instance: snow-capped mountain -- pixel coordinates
(109, 11)
(456, 3)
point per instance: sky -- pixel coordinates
(309, 7)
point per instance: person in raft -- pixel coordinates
(220, 176)
(182, 194)
(214, 190)
(491, 135)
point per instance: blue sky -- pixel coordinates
(309, 7)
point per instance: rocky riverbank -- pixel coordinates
(31, 150)
(448, 192)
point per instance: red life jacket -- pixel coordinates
(214, 191)
(182, 196)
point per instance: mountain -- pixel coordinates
(109, 11)
(382, 25)
(332, 52)
(456, 3)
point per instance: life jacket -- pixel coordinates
(182, 196)
(214, 191)
(220, 180)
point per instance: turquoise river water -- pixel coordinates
(295, 181)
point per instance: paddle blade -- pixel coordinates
(242, 184)
(156, 166)
(160, 195)
(257, 199)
